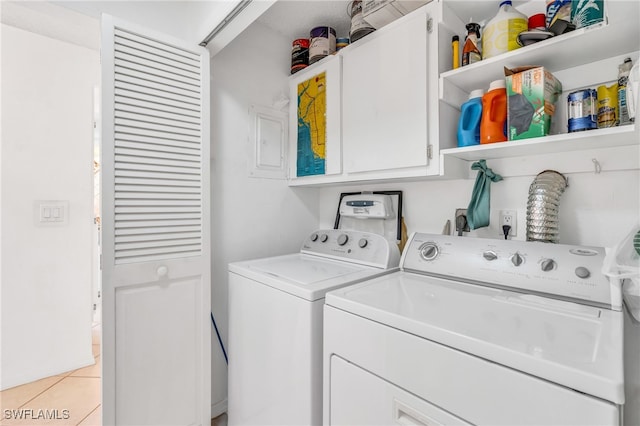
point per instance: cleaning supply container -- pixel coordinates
(623, 77)
(494, 113)
(471, 50)
(501, 32)
(470, 118)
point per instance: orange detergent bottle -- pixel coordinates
(494, 113)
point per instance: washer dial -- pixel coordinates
(548, 265)
(429, 251)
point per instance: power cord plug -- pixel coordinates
(505, 230)
(461, 223)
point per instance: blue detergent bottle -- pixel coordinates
(470, 117)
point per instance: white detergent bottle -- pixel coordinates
(501, 32)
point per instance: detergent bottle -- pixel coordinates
(470, 117)
(501, 32)
(494, 113)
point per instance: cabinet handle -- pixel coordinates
(429, 25)
(429, 151)
(408, 416)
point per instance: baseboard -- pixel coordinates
(31, 376)
(218, 408)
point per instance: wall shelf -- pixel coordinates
(576, 48)
(566, 142)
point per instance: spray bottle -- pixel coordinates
(471, 50)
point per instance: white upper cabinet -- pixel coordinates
(388, 109)
(399, 100)
(385, 100)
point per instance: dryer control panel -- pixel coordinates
(557, 270)
(364, 248)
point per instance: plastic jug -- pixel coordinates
(470, 118)
(494, 113)
(501, 32)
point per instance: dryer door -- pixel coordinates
(361, 398)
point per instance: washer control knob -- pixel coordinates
(517, 259)
(490, 255)
(548, 265)
(324, 238)
(314, 237)
(429, 251)
(582, 272)
(363, 242)
(342, 239)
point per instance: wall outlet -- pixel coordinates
(508, 217)
(460, 212)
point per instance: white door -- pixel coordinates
(156, 244)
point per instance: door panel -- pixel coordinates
(156, 255)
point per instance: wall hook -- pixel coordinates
(596, 165)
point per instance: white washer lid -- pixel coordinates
(304, 275)
(574, 345)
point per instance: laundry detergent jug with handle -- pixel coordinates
(501, 32)
(494, 113)
(470, 117)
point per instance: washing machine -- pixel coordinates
(477, 331)
(276, 323)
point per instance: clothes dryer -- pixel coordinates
(276, 322)
(478, 331)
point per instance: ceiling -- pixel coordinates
(295, 18)
(78, 21)
(188, 20)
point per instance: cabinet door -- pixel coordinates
(315, 115)
(385, 98)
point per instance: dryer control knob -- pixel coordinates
(314, 237)
(548, 265)
(429, 251)
(490, 255)
(583, 272)
(363, 242)
(342, 239)
(517, 259)
(324, 238)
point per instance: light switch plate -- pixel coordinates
(51, 212)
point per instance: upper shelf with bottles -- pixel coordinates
(619, 34)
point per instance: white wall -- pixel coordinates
(47, 101)
(596, 209)
(251, 217)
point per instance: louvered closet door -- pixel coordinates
(156, 264)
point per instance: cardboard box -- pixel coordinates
(531, 96)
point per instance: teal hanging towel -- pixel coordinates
(479, 206)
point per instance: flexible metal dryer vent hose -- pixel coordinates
(543, 205)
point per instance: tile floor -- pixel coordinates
(77, 391)
(221, 420)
